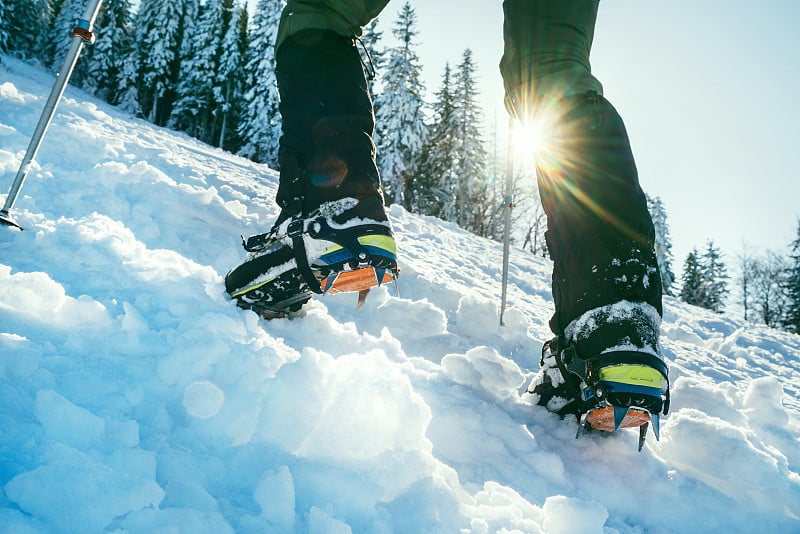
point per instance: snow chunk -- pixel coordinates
(477, 317)
(498, 508)
(748, 471)
(408, 318)
(66, 423)
(564, 515)
(485, 368)
(9, 91)
(274, 493)
(75, 493)
(320, 522)
(15, 522)
(763, 403)
(38, 298)
(359, 410)
(176, 520)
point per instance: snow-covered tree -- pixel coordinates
(3, 26)
(705, 279)
(400, 125)
(528, 219)
(26, 23)
(693, 283)
(105, 60)
(663, 244)
(476, 197)
(60, 32)
(228, 91)
(791, 320)
(716, 277)
(432, 189)
(260, 128)
(160, 27)
(127, 94)
(194, 108)
(375, 60)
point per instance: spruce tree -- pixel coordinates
(260, 128)
(230, 79)
(432, 191)
(693, 282)
(65, 13)
(663, 245)
(401, 129)
(26, 23)
(160, 28)
(194, 107)
(105, 59)
(127, 93)
(3, 26)
(716, 276)
(791, 320)
(375, 60)
(476, 199)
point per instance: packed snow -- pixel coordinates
(136, 397)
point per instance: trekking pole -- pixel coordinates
(508, 204)
(81, 34)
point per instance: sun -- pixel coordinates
(527, 139)
(535, 139)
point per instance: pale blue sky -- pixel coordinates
(707, 88)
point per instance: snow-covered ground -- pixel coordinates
(135, 397)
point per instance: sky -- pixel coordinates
(708, 93)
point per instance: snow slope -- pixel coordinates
(135, 397)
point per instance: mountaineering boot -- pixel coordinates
(333, 250)
(333, 234)
(606, 370)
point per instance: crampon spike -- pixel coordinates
(379, 274)
(583, 427)
(656, 420)
(396, 286)
(642, 435)
(362, 298)
(619, 416)
(329, 282)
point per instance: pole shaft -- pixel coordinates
(62, 78)
(509, 205)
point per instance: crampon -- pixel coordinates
(623, 389)
(278, 280)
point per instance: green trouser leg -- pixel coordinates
(600, 234)
(326, 150)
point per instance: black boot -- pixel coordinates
(332, 234)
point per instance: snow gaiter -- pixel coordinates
(326, 150)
